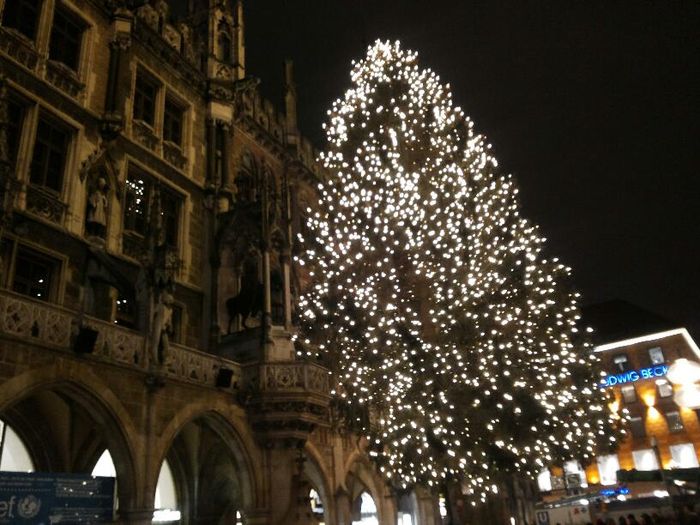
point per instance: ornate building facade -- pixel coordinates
(149, 203)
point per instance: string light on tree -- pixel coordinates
(453, 339)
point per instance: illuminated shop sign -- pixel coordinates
(631, 376)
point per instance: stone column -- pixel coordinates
(286, 268)
(343, 507)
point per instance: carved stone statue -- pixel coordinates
(96, 222)
(162, 326)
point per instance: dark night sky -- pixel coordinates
(592, 105)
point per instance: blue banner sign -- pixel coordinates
(630, 376)
(40, 498)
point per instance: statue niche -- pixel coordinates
(249, 300)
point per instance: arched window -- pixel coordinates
(165, 504)
(316, 506)
(368, 511)
(15, 457)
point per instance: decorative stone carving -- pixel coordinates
(148, 14)
(172, 36)
(173, 154)
(144, 135)
(18, 47)
(64, 78)
(21, 317)
(45, 204)
(97, 204)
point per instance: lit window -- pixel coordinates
(645, 459)
(637, 427)
(35, 274)
(629, 394)
(607, 468)
(15, 456)
(165, 501)
(621, 362)
(316, 504)
(66, 38)
(684, 455)
(675, 423)
(544, 481)
(22, 15)
(138, 202)
(50, 152)
(145, 99)
(574, 474)
(656, 356)
(664, 387)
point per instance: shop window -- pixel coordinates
(629, 394)
(684, 456)
(172, 122)
(645, 459)
(35, 274)
(15, 123)
(544, 481)
(621, 362)
(664, 387)
(574, 474)
(22, 15)
(637, 427)
(145, 96)
(138, 203)
(675, 423)
(66, 38)
(656, 356)
(50, 153)
(607, 469)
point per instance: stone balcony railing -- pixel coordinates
(54, 328)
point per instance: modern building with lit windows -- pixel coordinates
(150, 199)
(638, 349)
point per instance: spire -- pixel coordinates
(290, 102)
(239, 40)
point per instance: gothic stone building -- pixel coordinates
(148, 209)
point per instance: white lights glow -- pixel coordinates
(452, 338)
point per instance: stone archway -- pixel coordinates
(66, 419)
(212, 469)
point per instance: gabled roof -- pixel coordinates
(618, 320)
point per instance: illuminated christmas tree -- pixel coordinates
(453, 339)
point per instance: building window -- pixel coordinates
(224, 43)
(656, 356)
(607, 469)
(176, 325)
(35, 274)
(675, 423)
(66, 38)
(664, 387)
(22, 15)
(574, 474)
(172, 122)
(637, 427)
(544, 481)
(684, 455)
(645, 459)
(629, 394)
(621, 363)
(145, 99)
(50, 152)
(125, 312)
(15, 122)
(140, 198)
